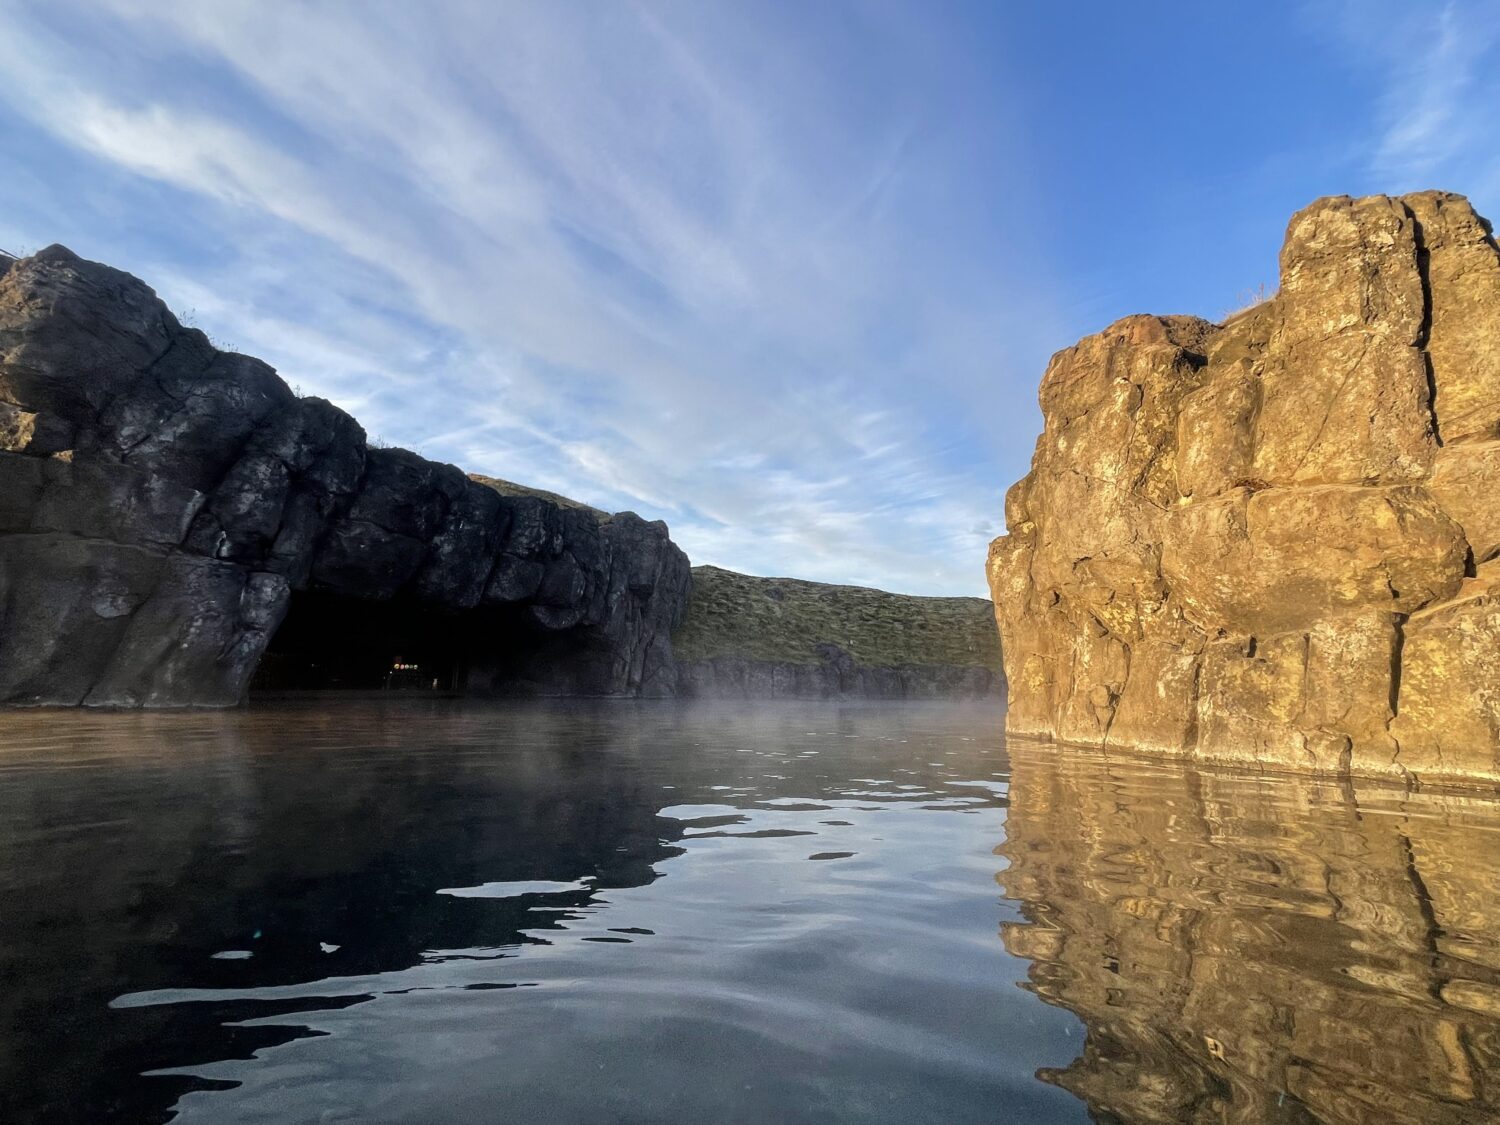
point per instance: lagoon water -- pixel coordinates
(438, 910)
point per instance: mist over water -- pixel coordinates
(445, 911)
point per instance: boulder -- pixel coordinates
(1266, 541)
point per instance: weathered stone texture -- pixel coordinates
(1259, 541)
(160, 501)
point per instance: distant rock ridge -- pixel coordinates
(1276, 541)
(164, 503)
(744, 637)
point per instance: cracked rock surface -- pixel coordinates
(160, 500)
(1276, 541)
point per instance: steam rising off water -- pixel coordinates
(436, 910)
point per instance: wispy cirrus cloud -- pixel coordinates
(648, 255)
(1436, 68)
(782, 274)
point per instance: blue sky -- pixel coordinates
(783, 274)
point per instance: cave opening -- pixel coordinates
(328, 642)
(331, 642)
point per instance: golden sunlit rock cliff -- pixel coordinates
(1277, 540)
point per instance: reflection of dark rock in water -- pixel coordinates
(277, 832)
(181, 891)
(1241, 950)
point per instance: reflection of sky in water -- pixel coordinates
(667, 912)
(742, 947)
(661, 915)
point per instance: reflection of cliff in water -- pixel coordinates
(185, 892)
(1245, 948)
(135, 846)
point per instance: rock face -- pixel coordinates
(1277, 540)
(163, 503)
(763, 638)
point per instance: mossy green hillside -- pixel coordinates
(511, 488)
(785, 619)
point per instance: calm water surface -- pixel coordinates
(441, 911)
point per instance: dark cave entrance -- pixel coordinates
(329, 642)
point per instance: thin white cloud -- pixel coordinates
(1441, 105)
(1437, 68)
(643, 255)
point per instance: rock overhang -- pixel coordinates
(162, 501)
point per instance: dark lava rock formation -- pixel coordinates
(1276, 541)
(760, 638)
(164, 506)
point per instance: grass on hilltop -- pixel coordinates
(511, 488)
(784, 619)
